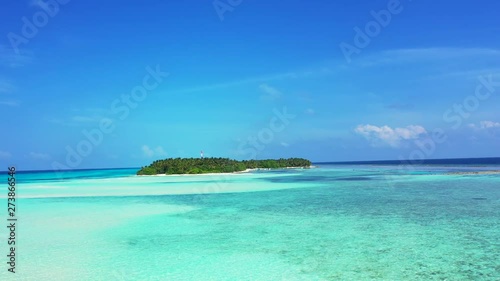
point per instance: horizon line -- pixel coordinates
(421, 161)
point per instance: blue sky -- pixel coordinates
(88, 84)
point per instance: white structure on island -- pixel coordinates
(201, 153)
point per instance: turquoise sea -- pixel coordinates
(332, 222)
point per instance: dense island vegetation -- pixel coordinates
(217, 165)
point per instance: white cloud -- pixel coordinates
(89, 115)
(489, 124)
(387, 135)
(489, 127)
(259, 79)
(9, 57)
(160, 151)
(420, 55)
(6, 87)
(442, 52)
(153, 152)
(82, 116)
(148, 152)
(4, 154)
(39, 156)
(310, 111)
(271, 93)
(9, 103)
(79, 118)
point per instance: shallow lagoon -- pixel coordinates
(328, 223)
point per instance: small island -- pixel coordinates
(180, 166)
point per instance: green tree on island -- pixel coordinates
(173, 166)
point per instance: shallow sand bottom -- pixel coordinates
(321, 224)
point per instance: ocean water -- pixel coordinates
(332, 222)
